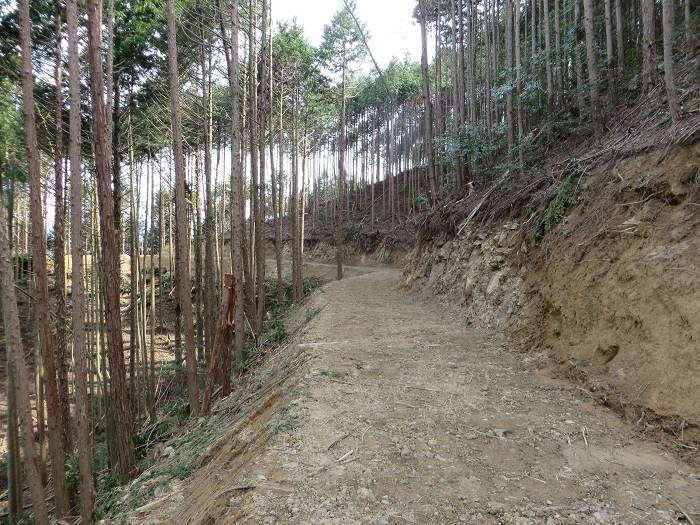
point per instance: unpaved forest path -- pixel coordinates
(403, 415)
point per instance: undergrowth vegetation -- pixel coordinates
(557, 207)
(156, 444)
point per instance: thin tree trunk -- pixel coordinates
(620, 34)
(688, 30)
(15, 349)
(509, 73)
(548, 54)
(133, 270)
(277, 196)
(54, 419)
(648, 45)
(438, 73)
(183, 237)
(261, 127)
(80, 358)
(211, 280)
(60, 248)
(294, 195)
(110, 252)
(15, 485)
(592, 68)
(518, 85)
(578, 60)
(558, 81)
(671, 91)
(609, 58)
(340, 216)
(237, 205)
(428, 114)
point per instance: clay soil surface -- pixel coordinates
(401, 414)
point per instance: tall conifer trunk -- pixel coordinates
(80, 357)
(183, 237)
(111, 281)
(54, 419)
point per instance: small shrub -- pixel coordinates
(310, 284)
(109, 493)
(72, 473)
(239, 367)
(179, 410)
(275, 331)
(557, 207)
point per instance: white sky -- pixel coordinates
(392, 31)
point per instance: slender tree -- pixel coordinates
(341, 48)
(80, 357)
(15, 350)
(55, 422)
(671, 90)
(124, 445)
(592, 68)
(183, 238)
(427, 103)
(620, 36)
(60, 247)
(648, 43)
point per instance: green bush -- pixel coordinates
(557, 207)
(72, 473)
(275, 331)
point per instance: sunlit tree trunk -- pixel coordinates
(110, 251)
(54, 419)
(183, 237)
(80, 357)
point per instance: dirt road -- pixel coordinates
(401, 414)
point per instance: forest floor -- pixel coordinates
(399, 413)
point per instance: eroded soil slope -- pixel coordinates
(611, 289)
(396, 412)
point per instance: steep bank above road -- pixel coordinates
(601, 270)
